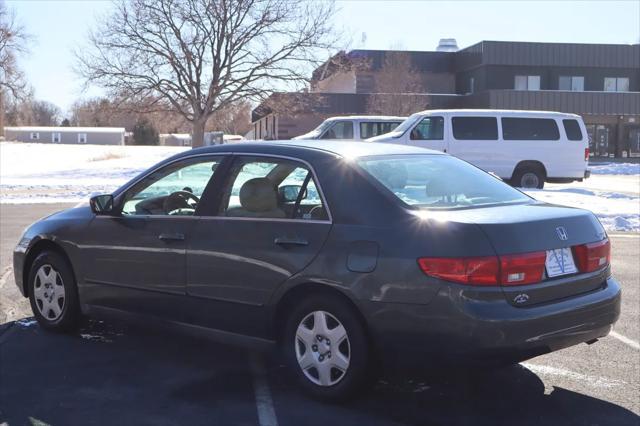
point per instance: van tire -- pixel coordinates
(528, 177)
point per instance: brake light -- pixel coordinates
(593, 256)
(520, 269)
(586, 154)
(466, 270)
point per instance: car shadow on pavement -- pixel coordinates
(110, 373)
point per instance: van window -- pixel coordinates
(430, 128)
(572, 128)
(370, 129)
(529, 129)
(475, 128)
(340, 130)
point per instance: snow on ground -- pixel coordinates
(41, 173)
(606, 168)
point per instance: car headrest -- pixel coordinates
(259, 195)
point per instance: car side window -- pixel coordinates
(272, 188)
(340, 130)
(173, 190)
(430, 128)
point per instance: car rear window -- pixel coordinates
(530, 129)
(439, 182)
(572, 128)
(475, 128)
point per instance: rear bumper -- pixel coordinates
(454, 329)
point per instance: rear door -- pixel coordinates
(271, 222)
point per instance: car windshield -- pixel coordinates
(439, 182)
(405, 125)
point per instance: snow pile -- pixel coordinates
(615, 168)
(41, 173)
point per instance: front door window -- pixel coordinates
(173, 190)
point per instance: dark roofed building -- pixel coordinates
(601, 82)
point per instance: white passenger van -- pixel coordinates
(353, 127)
(525, 148)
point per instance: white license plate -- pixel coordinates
(560, 262)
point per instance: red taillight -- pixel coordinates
(586, 154)
(593, 256)
(465, 270)
(520, 269)
(517, 269)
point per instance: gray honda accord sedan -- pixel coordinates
(351, 257)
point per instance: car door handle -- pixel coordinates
(286, 241)
(171, 236)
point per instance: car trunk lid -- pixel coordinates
(542, 228)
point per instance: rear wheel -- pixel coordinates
(52, 292)
(528, 177)
(326, 347)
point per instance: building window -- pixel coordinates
(616, 84)
(34, 136)
(475, 128)
(527, 82)
(82, 138)
(55, 137)
(572, 83)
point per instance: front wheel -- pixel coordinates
(52, 292)
(327, 348)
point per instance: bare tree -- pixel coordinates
(200, 56)
(13, 40)
(398, 86)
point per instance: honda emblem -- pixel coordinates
(562, 233)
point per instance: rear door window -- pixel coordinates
(572, 128)
(430, 128)
(340, 130)
(475, 128)
(529, 129)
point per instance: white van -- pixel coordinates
(353, 127)
(526, 148)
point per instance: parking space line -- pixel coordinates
(625, 340)
(264, 402)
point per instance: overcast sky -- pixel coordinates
(60, 26)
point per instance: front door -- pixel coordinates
(135, 258)
(271, 222)
(429, 133)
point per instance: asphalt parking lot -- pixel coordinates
(113, 373)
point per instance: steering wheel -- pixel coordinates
(177, 203)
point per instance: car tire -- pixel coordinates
(53, 292)
(528, 178)
(300, 345)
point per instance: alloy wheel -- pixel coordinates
(322, 348)
(48, 291)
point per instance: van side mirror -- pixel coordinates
(102, 204)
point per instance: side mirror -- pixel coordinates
(289, 193)
(101, 204)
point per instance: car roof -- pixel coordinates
(341, 148)
(497, 112)
(367, 118)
